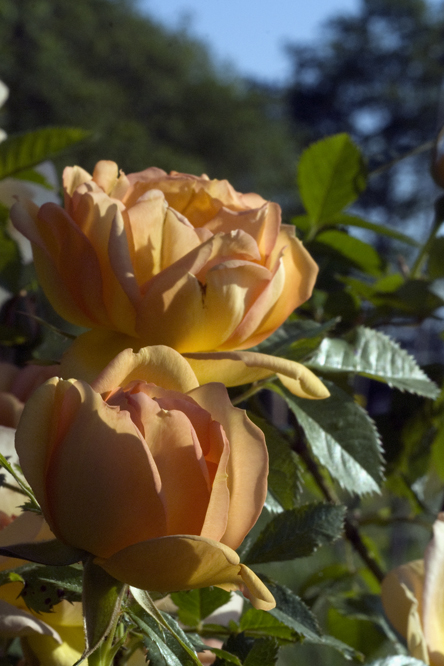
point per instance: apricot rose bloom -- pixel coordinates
(178, 260)
(413, 599)
(159, 478)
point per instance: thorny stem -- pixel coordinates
(350, 528)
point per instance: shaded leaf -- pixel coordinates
(360, 254)
(263, 653)
(295, 340)
(381, 229)
(52, 552)
(292, 611)
(263, 624)
(44, 587)
(342, 436)
(196, 605)
(284, 477)
(331, 175)
(23, 151)
(297, 533)
(373, 354)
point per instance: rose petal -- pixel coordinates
(248, 462)
(184, 562)
(16, 622)
(433, 594)
(242, 367)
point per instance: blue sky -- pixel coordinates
(250, 34)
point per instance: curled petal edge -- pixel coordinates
(185, 562)
(239, 367)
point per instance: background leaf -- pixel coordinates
(342, 436)
(23, 151)
(331, 175)
(373, 354)
(297, 533)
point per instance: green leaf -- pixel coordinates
(52, 552)
(297, 533)
(360, 254)
(159, 654)
(261, 623)
(374, 355)
(295, 340)
(224, 656)
(44, 587)
(382, 230)
(102, 598)
(331, 175)
(263, 653)
(23, 151)
(342, 436)
(284, 477)
(435, 265)
(174, 635)
(195, 605)
(10, 259)
(295, 614)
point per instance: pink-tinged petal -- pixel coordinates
(181, 465)
(91, 352)
(242, 367)
(158, 365)
(35, 437)
(100, 220)
(11, 409)
(16, 622)
(8, 372)
(248, 462)
(59, 277)
(100, 437)
(401, 594)
(433, 594)
(105, 175)
(183, 562)
(300, 276)
(23, 216)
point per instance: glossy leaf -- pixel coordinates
(284, 477)
(195, 605)
(263, 653)
(331, 175)
(373, 354)
(263, 623)
(397, 660)
(297, 533)
(295, 340)
(343, 438)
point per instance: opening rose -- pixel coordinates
(159, 478)
(171, 259)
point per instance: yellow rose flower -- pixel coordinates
(151, 258)
(48, 639)
(413, 599)
(159, 478)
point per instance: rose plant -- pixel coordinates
(157, 477)
(180, 260)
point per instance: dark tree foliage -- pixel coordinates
(377, 75)
(152, 96)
